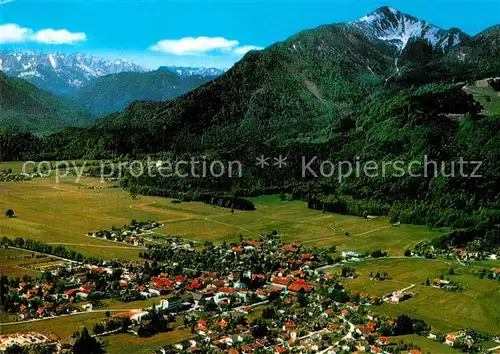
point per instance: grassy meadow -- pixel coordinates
(64, 327)
(63, 213)
(426, 345)
(294, 222)
(477, 307)
(61, 327)
(487, 97)
(124, 343)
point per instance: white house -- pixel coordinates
(171, 304)
(240, 285)
(139, 316)
(350, 254)
(154, 292)
(87, 307)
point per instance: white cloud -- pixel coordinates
(12, 33)
(246, 48)
(193, 46)
(52, 36)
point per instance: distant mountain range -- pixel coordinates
(61, 73)
(102, 85)
(113, 93)
(295, 89)
(193, 71)
(298, 88)
(311, 87)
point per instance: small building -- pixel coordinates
(87, 307)
(350, 254)
(139, 316)
(171, 304)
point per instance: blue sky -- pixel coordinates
(201, 33)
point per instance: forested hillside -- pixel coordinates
(113, 93)
(25, 108)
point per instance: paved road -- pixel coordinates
(493, 349)
(96, 245)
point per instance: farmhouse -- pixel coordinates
(439, 283)
(398, 296)
(350, 254)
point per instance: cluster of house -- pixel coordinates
(11, 177)
(37, 300)
(399, 296)
(447, 285)
(322, 328)
(25, 340)
(132, 234)
(466, 256)
(221, 306)
(453, 338)
(69, 289)
(231, 289)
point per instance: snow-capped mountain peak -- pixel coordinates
(396, 28)
(193, 71)
(61, 72)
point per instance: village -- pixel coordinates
(251, 296)
(464, 255)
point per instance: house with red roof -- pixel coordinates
(300, 286)
(281, 281)
(382, 341)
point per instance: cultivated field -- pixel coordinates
(63, 213)
(477, 307)
(16, 263)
